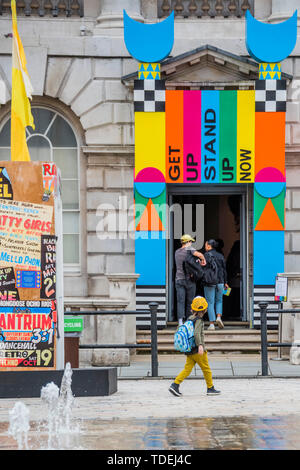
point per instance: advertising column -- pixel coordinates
(31, 306)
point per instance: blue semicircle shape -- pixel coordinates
(150, 190)
(149, 42)
(270, 42)
(269, 190)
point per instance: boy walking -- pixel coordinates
(198, 354)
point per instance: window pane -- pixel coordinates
(61, 134)
(4, 154)
(42, 118)
(39, 148)
(66, 160)
(71, 222)
(5, 135)
(71, 248)
(70, 196)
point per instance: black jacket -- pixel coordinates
(221, 264)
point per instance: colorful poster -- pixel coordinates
(245, 136)
(192, 136)
(21, 227)
(8, 289)
(174, 136)
(27, 336)
(48, 267)
(228, 136)
(210, 136)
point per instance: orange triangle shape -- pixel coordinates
(269, 219)
(150, 220)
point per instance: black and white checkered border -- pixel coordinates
(149, 95)
(144, 295)
(270, 96)
(265, 294)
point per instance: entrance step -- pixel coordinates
(229, 339)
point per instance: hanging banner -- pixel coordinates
(245, 136)
(210, 136)
(192, 136)
(174, 136)
(228, 136)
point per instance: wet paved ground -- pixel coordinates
(223, 433)
(261, 413)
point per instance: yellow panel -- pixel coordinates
(150, 141)
(245, 136)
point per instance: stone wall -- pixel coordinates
(76, 66)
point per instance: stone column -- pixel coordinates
(295, 349)
(291, 322)
(111, 15)
(283, 10)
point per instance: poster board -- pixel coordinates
(30, 233)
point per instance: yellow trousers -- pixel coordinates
(191, 360)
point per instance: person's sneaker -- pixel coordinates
(211, 327)
(213, 391)
(220, 323)
(174, 388)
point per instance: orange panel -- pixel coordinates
(269, 219)
(270, 141)
(150, 220)
(174, 136)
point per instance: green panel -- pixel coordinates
(259, 205)
(279, 205)
(228, 136)
(141, 203)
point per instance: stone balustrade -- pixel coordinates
(44, 7)
(199, 8)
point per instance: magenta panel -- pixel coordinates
(192, 136)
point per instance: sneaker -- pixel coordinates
(174, 388)
(213, 391)
(220, 323)
(211, 327)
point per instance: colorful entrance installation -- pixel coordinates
(210, 137)
(29, 301)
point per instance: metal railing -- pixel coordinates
(199, 8)
(263, 306)
(153, 306)
(44, 7)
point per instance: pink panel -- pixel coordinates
(150, 175)
(270, 175)
(192, 136)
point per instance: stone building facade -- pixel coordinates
(81, 71)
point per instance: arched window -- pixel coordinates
(54, 140)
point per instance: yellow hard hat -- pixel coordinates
(199, 304)
(186, 238)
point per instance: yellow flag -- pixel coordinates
(21, 93)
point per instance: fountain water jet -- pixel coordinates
(19, 424)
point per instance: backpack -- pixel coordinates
(192, 267)
(210, 271)
(184, 340)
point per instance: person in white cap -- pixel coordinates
(184, 284)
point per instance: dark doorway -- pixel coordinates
(206, 216)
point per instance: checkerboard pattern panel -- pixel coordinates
(149, 95)
(270, 96)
